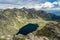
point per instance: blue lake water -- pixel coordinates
(29, 28)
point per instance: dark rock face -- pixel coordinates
(51, 30)
(28, 29)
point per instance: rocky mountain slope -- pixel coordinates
(11, 20)
(51, 31)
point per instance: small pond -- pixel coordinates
(29, 28)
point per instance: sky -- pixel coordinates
(37, 4)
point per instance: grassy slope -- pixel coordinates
(15, 19)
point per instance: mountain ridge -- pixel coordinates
(11, 20)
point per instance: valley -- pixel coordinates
(11, 20)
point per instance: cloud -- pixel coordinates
(8, 0)
(29, 5)
(57, 3)
(47, 5)
(40, 6)
(37, 4)
(10, 6)
(22, 2)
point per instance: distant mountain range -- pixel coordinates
(57, 12)
(43, 14)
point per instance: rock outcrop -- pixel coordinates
(29, 37)
(51, 30)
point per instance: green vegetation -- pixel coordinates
(11, 20)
